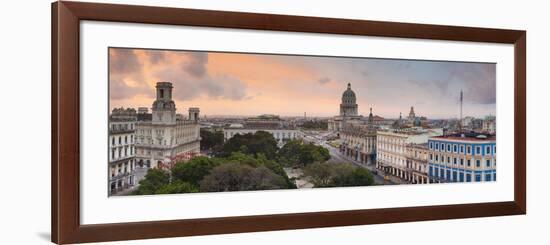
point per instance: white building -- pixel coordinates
(391, 148)
(489, 125)
(162, 136)
(122, 151)
(281, 131)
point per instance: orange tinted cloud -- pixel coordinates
(251, 84)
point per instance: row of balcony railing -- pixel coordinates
(121, 175)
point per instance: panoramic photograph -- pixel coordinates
(199, 121)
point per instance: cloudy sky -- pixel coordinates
(253, 84)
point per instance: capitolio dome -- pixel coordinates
(348, 97)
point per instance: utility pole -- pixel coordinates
(460, 123)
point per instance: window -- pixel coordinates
(454, 160)
(488, 177)
(431, 145)
(469, 150)
(430, 171)
(448, 159)
(478, 150)
(436, 158)
(488, 150)
(461, 161)
(488, 163)
(448, 176)
(461, 177)
(468, 178)
(478, 163)
(455, 148)
(448, 147)
(478, 177)
(119, 140)
(468, 163)
(454, 176)
(161, 93)
(436, 146)
(462, 149)
(442, 147)
(113, 141)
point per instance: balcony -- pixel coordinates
(121, 176)
(120, 159)
(121, 131)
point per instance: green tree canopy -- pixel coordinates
(259, 161)
(259, 142)
(193, 170)
(296, 153)
(241, 177)
(338, 175)
(177, 187)
(153, 181)
(289, 154)
(211, 140)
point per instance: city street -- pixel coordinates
(337, 157)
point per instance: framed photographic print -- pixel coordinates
(177, 122)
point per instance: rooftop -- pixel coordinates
(468, 137)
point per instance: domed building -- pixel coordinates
(357, 134)
(348, 107)
(348, 111)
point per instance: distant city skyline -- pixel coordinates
(287, 85)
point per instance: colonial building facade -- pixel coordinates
(391, 148)
(122, 151)
(417, 163)
(462, 158)
(358, 141)
(281, 130)
(162, 135)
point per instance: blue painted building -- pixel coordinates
(462, 158)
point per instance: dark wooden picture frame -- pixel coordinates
(65, 180)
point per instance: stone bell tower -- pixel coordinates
(164, 108)
(194, 113)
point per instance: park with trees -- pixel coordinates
(251, 162)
